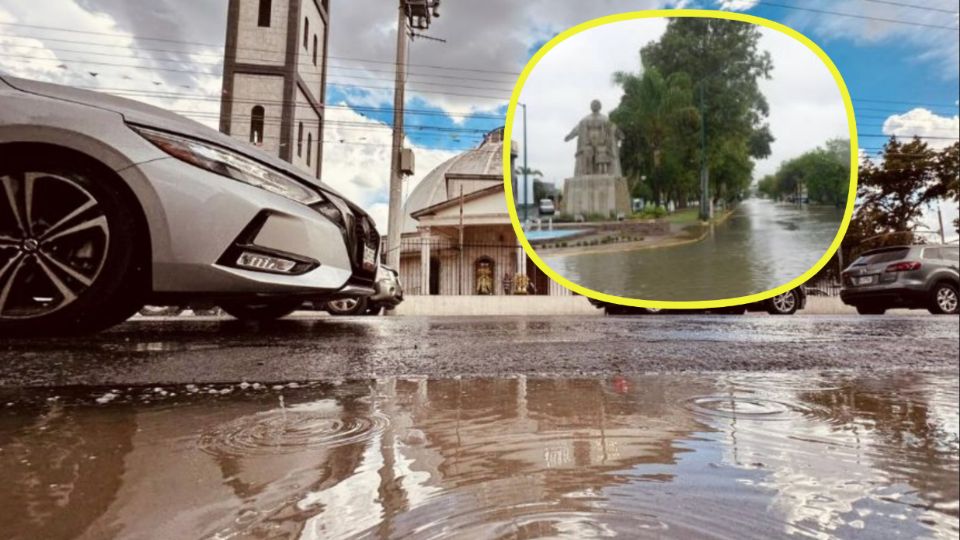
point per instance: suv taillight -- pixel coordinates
(907, 266)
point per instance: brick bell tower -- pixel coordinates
(274, 77)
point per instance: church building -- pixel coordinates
(274, 77)
(457, 237)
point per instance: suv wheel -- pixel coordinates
(871, 310)
(67, 257)
(343, 307)
(783, 304)
(943, 299)
(265, 310)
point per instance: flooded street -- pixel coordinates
(761, 246)
(732, 455)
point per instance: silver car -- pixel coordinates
(107, 204)
(915, 277)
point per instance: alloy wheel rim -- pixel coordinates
(947, 299)
(784, 302)
(53, 243)
(344, 304)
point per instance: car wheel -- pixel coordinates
(264, 310)
(68, 236)
(783, 304)
(343, 307)
(943, 299)
(871, 310)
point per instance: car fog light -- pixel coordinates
(265, 262)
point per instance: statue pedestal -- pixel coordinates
(596, 194)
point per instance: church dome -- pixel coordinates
(486, 159)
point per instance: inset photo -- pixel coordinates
(682, 159)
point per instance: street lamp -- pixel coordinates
(525, 168)
(704, 174)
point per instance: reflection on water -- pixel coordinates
(730, 456)
(761, 246)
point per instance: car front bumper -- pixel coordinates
(199, 220)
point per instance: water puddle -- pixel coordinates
(831, 455)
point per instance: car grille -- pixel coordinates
(358, 232)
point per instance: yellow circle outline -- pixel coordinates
(672, 304)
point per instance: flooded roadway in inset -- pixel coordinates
(761, 246)
(723, 455)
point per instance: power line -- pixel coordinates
(953, 105)
(183, 96)
(219, 74)
(280, 56)
(221, 47)
(911, 6)
(855, 16)
(913, 136)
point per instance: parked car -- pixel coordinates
(787, 303)
(547, 208)
(107, 204)
(388, 295)
(906, 276)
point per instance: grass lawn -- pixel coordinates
(685, 216)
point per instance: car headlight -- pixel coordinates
(230, 164)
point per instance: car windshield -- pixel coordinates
(882, 256)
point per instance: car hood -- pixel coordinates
(145, 115)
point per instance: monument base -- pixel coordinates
(596, 194)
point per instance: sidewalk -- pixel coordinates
(570, 305)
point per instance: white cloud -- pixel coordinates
(737, 5)
(359, 167)
(805, 104)
(941, 130)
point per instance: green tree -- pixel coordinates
(659, 123)
(723, 60)
(910, 176)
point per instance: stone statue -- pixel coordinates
(598, 144)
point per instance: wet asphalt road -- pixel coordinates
(184, 350)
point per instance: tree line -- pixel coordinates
(821, 175)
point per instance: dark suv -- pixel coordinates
(914, 277)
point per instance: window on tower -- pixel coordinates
(314, 49)
(256, 125)
(266, 7)
(309, 146)
(306, 33)
(300, 140)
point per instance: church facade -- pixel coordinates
(457, 237)
(274, 77)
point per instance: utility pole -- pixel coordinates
(704, 175)
(943, 236)
(526, 202)
(411, 14)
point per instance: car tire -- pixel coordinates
(871, 310)
(784, 304)
(944, 299)
(264, 310)
(69, 261)
(347, 307)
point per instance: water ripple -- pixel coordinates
(290, 430)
